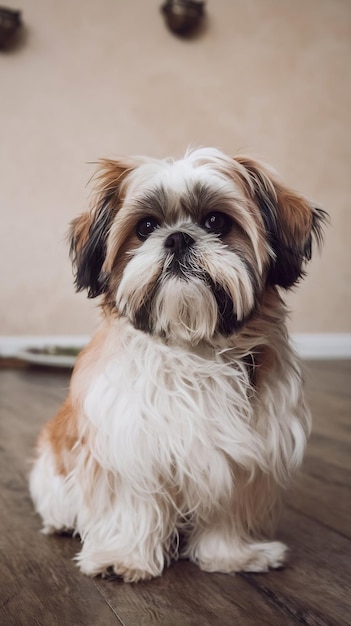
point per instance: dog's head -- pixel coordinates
(185, 249)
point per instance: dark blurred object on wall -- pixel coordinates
(10, 24)
(183, 17)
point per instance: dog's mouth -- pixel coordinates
(184, 268)
(190, 295)
(184, 271)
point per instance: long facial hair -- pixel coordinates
(185, 278)
(189, 294)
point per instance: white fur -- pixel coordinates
(56, 499)
(170, 428)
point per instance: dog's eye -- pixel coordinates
(146, 227)
(218, 223)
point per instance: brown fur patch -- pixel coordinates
(62, 434)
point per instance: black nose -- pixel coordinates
(178, 242)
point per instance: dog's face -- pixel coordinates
(185, 249)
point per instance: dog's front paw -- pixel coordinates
(264, 556)
(239, 556)
(130, 572)
(129, 575)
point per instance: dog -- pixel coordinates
(185, 418)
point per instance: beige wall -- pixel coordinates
(99, 78)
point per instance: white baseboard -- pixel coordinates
(10, 346)
(323, 346)
(308, 346)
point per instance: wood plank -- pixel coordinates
(328, 392)
(331, 415)
(315, 586)
(333, 449)
(333, 376)
(323, 492)
(37, 567)
(185, 595)
(39, 583)
(312, 589)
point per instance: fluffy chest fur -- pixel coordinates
(164, 418)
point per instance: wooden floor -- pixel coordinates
(40, 585)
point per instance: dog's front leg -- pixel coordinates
(128, 539)
(220, 546)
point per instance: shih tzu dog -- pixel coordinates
(185, 416)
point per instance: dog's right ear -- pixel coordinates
(89, 232)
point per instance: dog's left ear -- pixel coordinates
(89, 232)
(291, 222)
